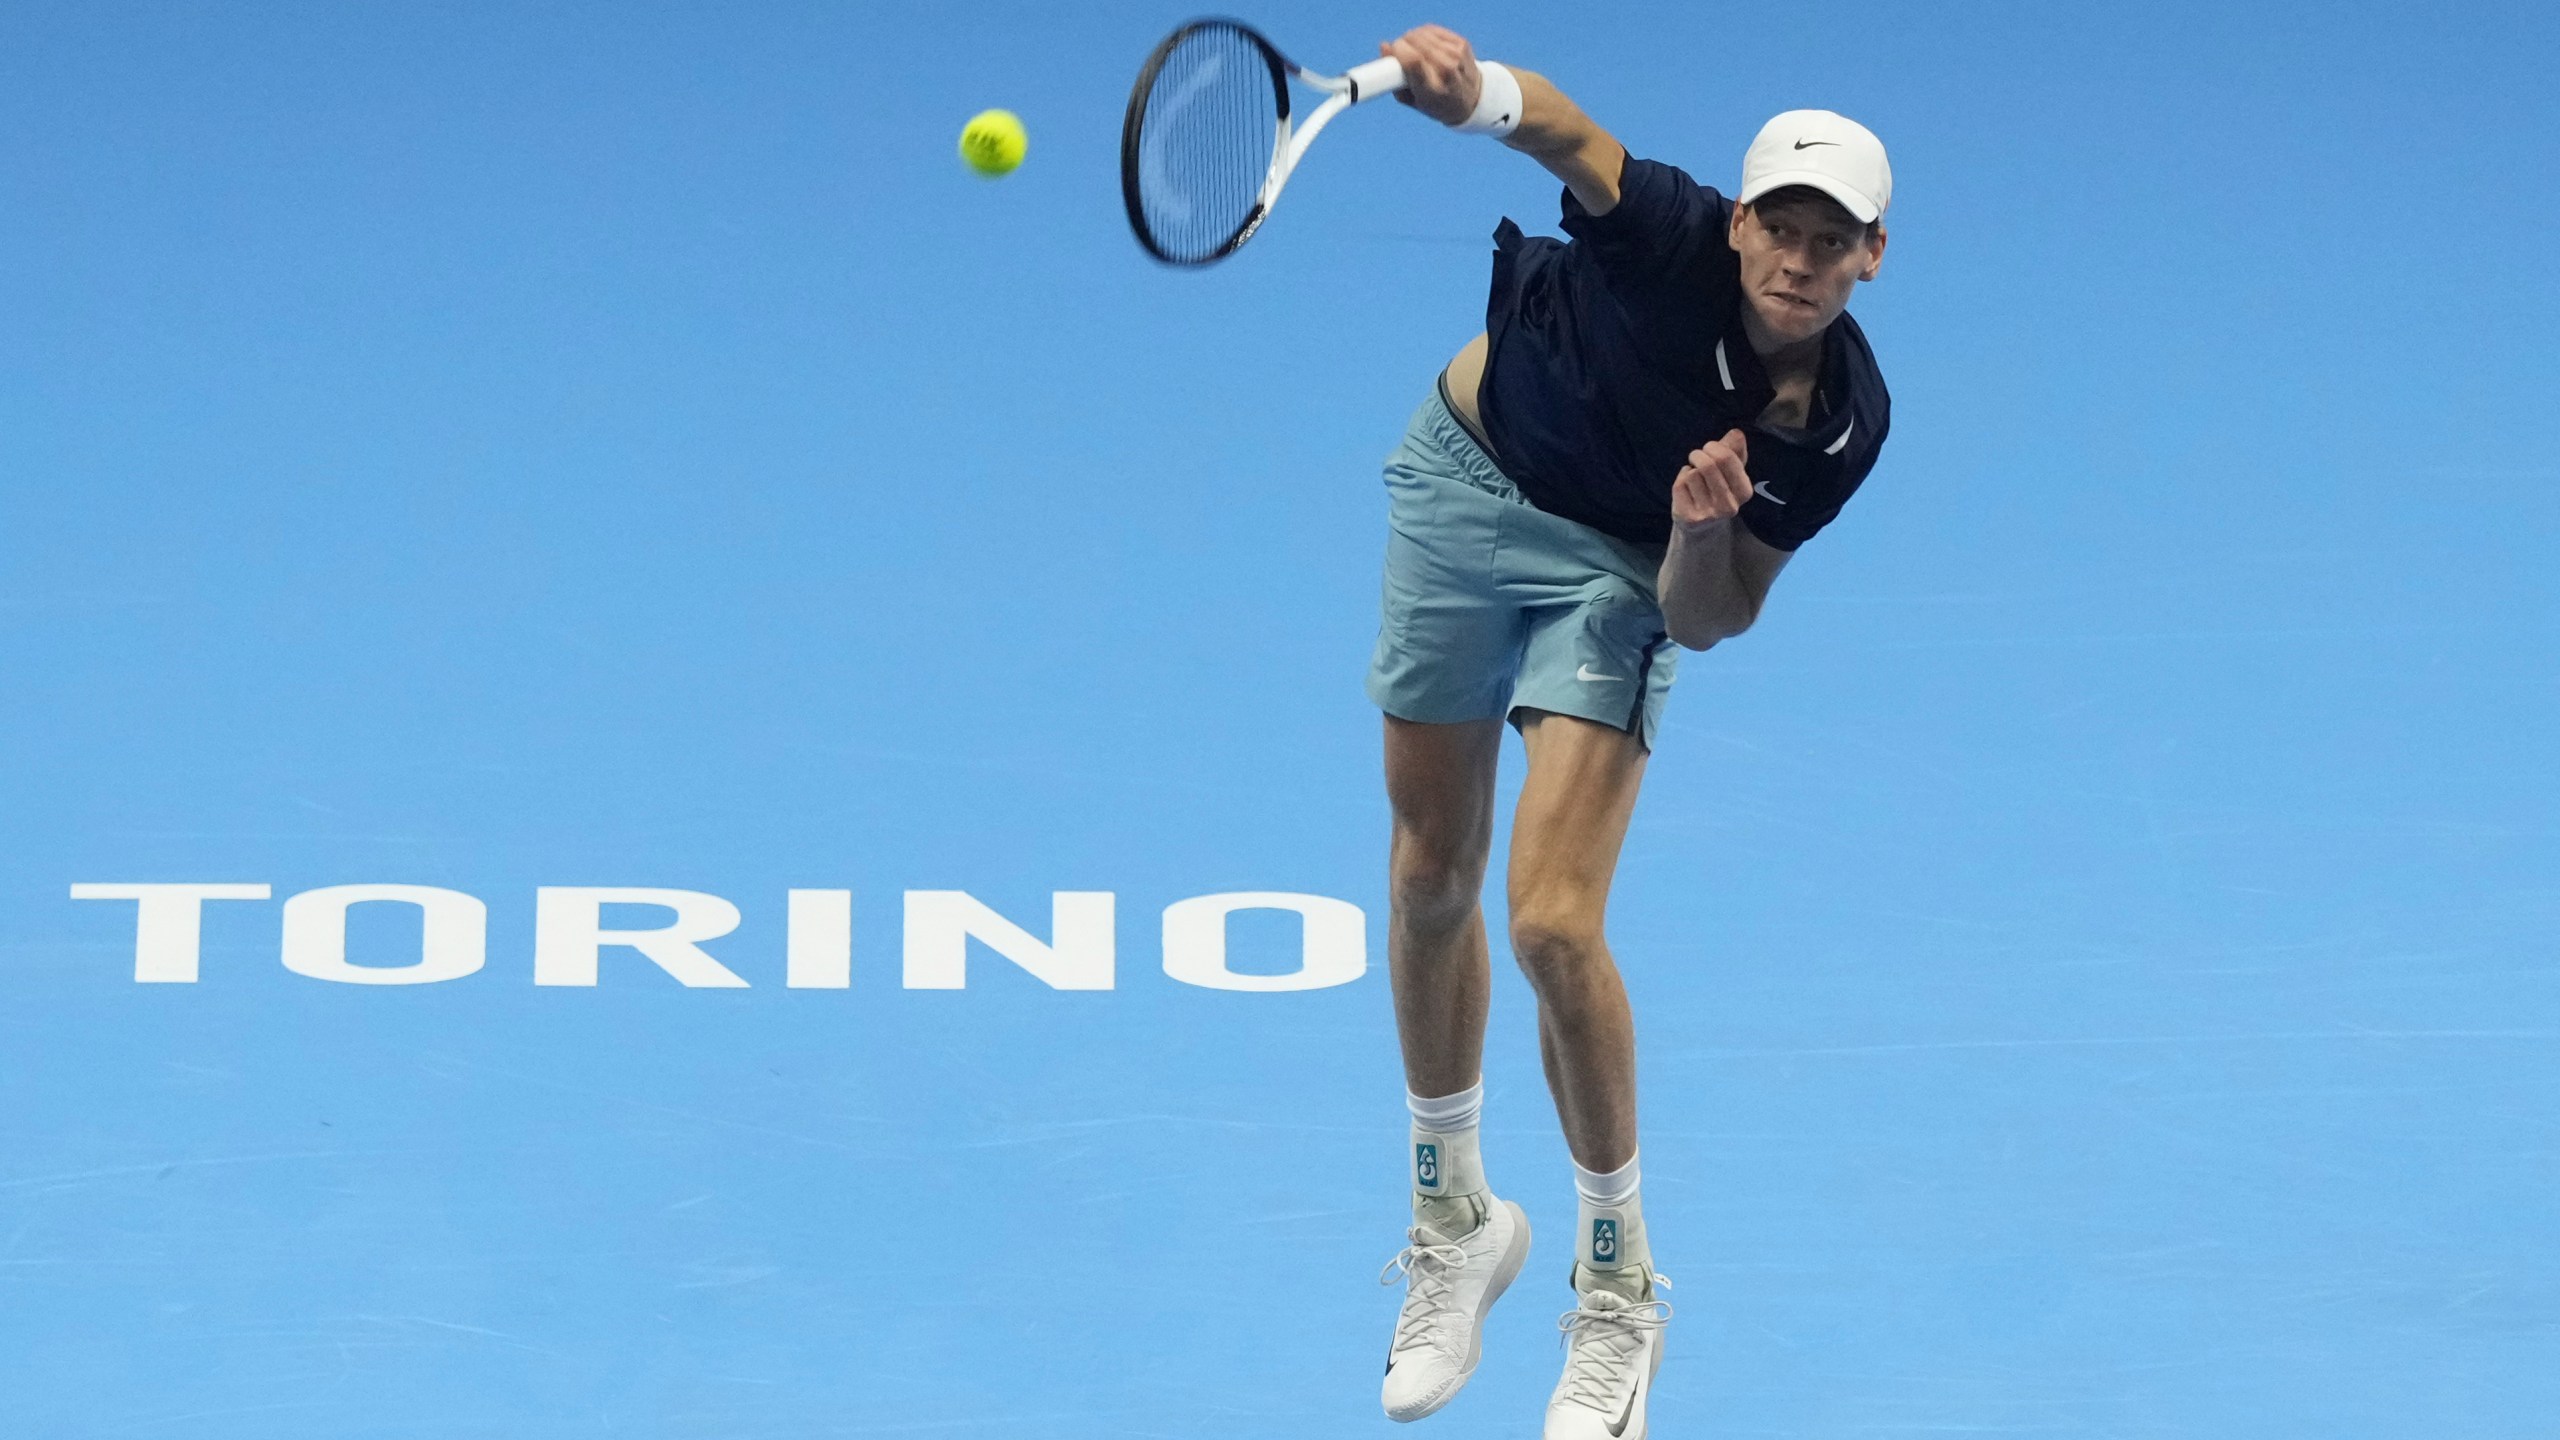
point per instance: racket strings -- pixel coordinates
(1206, 132)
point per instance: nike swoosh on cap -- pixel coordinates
(1804, 144)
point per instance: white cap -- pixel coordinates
(1832, 153)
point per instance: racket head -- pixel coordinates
(1200, 139)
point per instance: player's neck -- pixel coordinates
(1780, 356)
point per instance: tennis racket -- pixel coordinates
(1208, 141)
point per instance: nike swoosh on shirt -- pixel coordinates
(1761, 489)
(1590, 677)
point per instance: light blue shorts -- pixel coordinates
(1493, 606)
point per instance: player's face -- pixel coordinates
(1799, 263)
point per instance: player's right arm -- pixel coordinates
(1441, 80)
(1716, 574)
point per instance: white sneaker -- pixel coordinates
(1612, 1347)
(1449, 1285)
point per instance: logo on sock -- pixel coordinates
(1426, 1165)
(1604, 1242)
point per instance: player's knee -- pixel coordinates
(1432, 890)
(1556, 944)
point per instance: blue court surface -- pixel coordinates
(607, 468)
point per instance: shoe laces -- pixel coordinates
(1425, 1263)
(1603, 1336)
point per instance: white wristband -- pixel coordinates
(1497, 111)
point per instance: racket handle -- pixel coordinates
(1382, 76)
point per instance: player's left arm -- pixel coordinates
(1716, 573)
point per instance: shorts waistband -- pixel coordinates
(1467, 459)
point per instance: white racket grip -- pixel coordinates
(1382, 76)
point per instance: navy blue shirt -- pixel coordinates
(1615, 355)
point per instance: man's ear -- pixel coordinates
(1733, 227)
(1875, 262)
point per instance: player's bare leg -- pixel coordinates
(1466, 1245)
(1440, 782)
(1574, 809)
(1572, 821)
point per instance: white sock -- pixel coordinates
(1618, 1187)
(1447, 1168)
(1612, 1219)
(1450, 1113)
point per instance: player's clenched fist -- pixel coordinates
(1712, 487)
(1440, 75)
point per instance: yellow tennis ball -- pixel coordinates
(993, 142)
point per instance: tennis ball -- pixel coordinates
(993, 142)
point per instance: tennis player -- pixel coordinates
(1660, 411)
